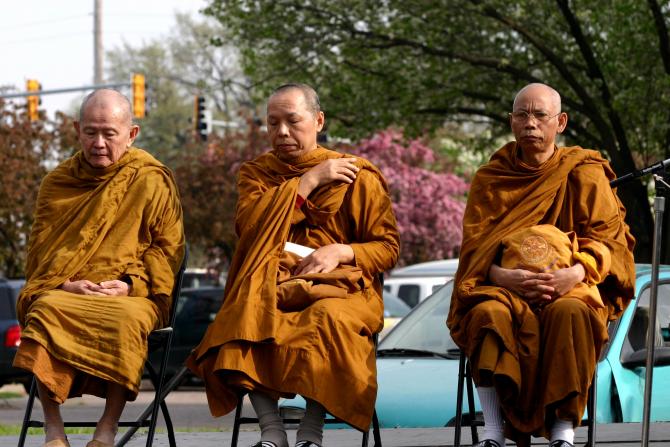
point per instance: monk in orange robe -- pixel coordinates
(302, 324)
(106, 243)
(533, 336)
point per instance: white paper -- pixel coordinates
(298, 249)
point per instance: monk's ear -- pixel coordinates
(134, 130)
(320, 121)
(76, 127)
(562, 122)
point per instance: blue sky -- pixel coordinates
(52, 41)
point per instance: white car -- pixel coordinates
(416, 282)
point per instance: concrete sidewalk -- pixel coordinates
(620, 435)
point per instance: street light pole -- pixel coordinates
(97, 42)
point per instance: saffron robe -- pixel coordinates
(120, 222)
(571, 192)
(310, 334)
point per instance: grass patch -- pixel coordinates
(10, 394)
(15, 430)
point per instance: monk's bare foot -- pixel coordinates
(104, 434)
(54, 432)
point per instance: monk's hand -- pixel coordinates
(533, 287)
(325, 259)
(114, 287)
(565, 279)
(331, 170)
(81, 287)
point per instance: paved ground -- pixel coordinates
(619, 435)
(190, 414)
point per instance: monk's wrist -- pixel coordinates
(346, 254)
(306, 185)
(580, 272)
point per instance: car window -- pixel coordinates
(425, 327)
(394, 306)
(637, 331)
(6, 307)
(410, 294)
(199, 305)
(435, 287)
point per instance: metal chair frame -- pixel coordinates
(465, 379)
(158, 339)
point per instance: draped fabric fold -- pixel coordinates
(308, 334)
(571, 192)
(120, 222)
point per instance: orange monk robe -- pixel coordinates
(570, 191)
(309, 335)
(123, 221)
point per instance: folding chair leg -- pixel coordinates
(591, 408)
(376, 434)
(159, 389)
(459, 400)
(167, 388)
(471, 404)
(29, 411)
(168, 424)
(236, 425)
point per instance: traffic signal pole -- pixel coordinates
(34, 92)
(65, 90)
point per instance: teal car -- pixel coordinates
(417, 364)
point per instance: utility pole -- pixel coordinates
(97, 42)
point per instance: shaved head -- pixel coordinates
(536, 120)
(310, 95)
(536, 89)
(107, 99)
(105, 128)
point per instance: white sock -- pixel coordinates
(493, 417)
(562, 430)
(311, 426)
(272, 426)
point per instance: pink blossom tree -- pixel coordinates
(428, 201)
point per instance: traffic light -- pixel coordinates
(33, 100)
(139, 95)
(199, 118)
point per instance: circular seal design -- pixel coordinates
(534, 249)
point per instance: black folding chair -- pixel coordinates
(158, 339)
(239, 420)
(465, 378)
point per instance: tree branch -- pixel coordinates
(662, 31)
(622, 157)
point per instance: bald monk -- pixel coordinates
(302, 324)
(105, 245)
(533, 337)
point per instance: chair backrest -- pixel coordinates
(176, 289)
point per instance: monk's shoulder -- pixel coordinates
(593, 171)
(153, 180)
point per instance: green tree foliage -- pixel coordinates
(208, 186)
(419, 63)
(27, 149)
(178, 67)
